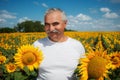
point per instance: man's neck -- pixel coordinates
(59, 39)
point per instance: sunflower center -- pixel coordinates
(12, 67)
(28, 58)
(96, 67)
(115, 60)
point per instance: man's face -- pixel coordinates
(54, 25)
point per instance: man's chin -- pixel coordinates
(53, 35)
(53, 38)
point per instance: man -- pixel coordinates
(61, 53)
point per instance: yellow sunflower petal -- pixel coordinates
(115, 60)
(94, 66)
(28, 55)
(10, 67)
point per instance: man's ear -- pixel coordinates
(66, 22)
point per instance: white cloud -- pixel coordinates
(105, 9)
(78, 21)
(111, 15)
(118, 25)
(103, 24)
(2, 20)
(44, 5)
(6, 15)
(83, 17)
(23, 19)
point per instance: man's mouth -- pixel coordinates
(54, 31)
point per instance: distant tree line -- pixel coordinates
(27, 26)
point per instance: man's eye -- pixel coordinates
(55, 23)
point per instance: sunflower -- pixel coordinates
(10, 67)
(2, 59)
(28, 55)
(115, 60)
(94, 65)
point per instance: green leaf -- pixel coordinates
(27, 71)
(7, 78)
(19, 76)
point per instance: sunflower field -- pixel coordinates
(19, 60)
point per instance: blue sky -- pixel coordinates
(83, 15)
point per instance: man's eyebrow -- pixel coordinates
(46, 24)
(55, 22)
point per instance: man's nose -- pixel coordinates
(51, 28)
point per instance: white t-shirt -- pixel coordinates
(60, 58)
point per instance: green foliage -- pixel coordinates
(29, 26)
(7, 30)
(115, 75)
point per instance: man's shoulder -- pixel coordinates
(75, 43)
(72, 40)
(40, 41)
